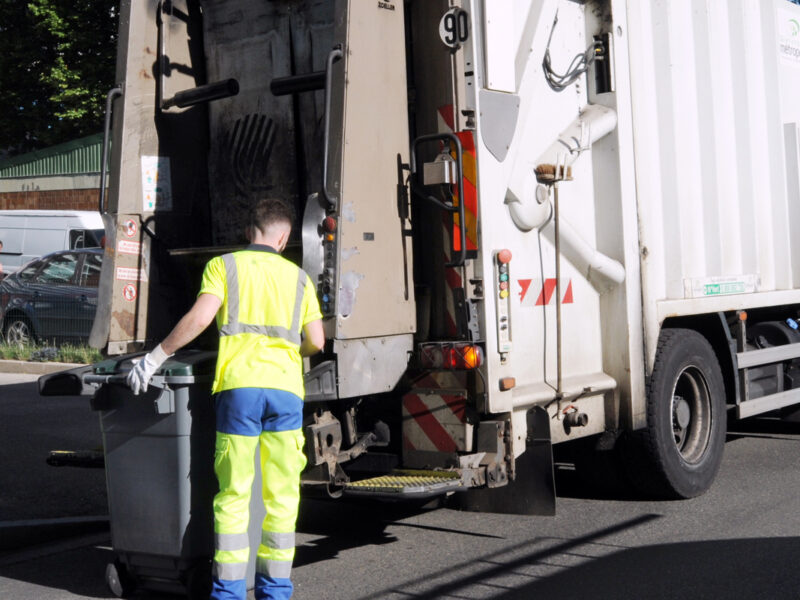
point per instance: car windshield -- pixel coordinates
(29, 271)
(59, 269)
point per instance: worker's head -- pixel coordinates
(270, 223)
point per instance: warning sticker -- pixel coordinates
(130, 228)
(127, 247)
(126, 274)
(129, 292)
(156, 184)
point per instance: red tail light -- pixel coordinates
(450, 356)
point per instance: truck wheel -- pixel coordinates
(679, 453)
(118, 579)
(19, 331)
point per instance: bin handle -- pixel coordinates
(157, 381)
(91, 378)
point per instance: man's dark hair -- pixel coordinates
(269, 211)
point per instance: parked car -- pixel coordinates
(53, 298)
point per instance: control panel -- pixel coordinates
(502, 290)
(326, 290)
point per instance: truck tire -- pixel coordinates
(679, 453)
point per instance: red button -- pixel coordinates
(504, 257)
(329, 224)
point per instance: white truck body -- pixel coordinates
(695, 193)
(672, 205)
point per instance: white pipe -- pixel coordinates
(528, 213)
(600, 270)
(593, 124)
(530, 207)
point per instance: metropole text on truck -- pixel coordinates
(529, 222)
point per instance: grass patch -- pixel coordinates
(68, 353)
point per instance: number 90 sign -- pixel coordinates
(454, 27)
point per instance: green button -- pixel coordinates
(504, 277)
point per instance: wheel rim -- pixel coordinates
(691, 414)
(18, 333)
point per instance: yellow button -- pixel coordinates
(329, 237)
(504, 294)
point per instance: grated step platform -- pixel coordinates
(407, 484)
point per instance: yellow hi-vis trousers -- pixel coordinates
(282, 460)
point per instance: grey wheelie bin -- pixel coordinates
(158, 449)
(159, 461)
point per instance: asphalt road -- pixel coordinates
(740, 540)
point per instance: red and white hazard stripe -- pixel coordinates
(434, 421)
(535, 292)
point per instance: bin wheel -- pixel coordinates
(198, 581)
(118, 579)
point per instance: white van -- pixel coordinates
(29, 234)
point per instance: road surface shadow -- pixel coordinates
(738, 568)
(586, 469)
(345, 524)
(741, 568)
(764, 427)
(80, 571)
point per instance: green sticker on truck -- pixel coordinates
(720, 286)
(717, 289)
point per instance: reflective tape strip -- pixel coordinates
(234, 327)
(268, 330)
(228, 542)
(298, 301)
(230, 571)
(232, 277)
(277, 541)
(278, 569)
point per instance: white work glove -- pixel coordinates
(143, 370)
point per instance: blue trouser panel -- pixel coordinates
(247, 418)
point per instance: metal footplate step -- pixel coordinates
(407, 484)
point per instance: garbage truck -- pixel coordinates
(529, 223)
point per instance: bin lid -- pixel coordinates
(181, 364)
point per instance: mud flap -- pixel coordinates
(533, 490)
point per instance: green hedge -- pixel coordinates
(67, 353)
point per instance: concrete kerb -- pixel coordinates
(34, 368)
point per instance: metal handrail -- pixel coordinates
(453, 138)
(333, 56)
(113, 93)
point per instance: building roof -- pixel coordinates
(81, 156)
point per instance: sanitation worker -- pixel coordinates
(262, 302)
